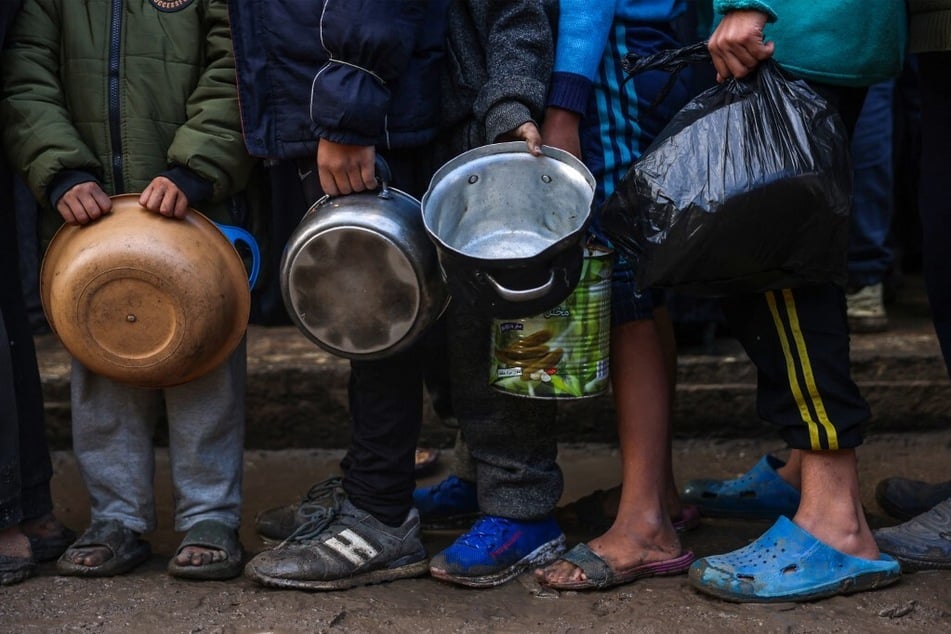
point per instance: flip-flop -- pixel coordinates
(128, 551)
(760, 493)
(216, 535)
(599, 574)
(788, 564)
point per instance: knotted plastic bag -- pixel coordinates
(748, 188)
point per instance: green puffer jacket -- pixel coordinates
(124, 90)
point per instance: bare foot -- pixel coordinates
(611, 498)
(88, 556)
(831, 507)
(13, 543)
(199, 556)
(622, 548)
(847, 532)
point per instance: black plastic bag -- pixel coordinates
(748, 188)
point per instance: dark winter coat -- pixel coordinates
(121, 91)
(361, 72)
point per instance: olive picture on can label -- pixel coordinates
(563, 352)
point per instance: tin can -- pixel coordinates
(563, 353)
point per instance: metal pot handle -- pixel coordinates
(237, 235)
(383, 174)
(523, 295)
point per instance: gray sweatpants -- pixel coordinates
(512, 449)
(113, 427)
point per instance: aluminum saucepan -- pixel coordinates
(509, 227)
(359, 276)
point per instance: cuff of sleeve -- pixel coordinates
(504, 118)
(570, 92)
(65, 181)
(195, 188)
(724, 6)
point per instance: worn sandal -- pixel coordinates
(599, 574)
(50, 547)
(13, 570)
(760, 493)
(211, 534)
(128, 550)
(788, 564)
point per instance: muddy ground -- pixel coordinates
(148, 600)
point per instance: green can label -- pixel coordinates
(564, 352)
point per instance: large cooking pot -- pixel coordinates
(148, 300)
(509, 227)
(360, 277)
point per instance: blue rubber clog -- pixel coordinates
(759, 494)
(788, 564)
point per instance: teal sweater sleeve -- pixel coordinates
(838, 42)
(722, 6)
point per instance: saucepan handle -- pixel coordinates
(383, 174)
(522, 295)
(237, 235)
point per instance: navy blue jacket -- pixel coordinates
(361, 72)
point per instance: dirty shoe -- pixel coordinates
(342, 548)
(278, 523)
(497, 549)
(904, 498)
(452, 503)
(866, 310)
(760, 493)
(921, 543)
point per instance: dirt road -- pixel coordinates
(148, 600)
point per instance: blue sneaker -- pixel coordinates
(451, 503)
(496, 550)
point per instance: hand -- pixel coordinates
(737, 45)
(527, 132)
(162, 196)
(560, 130)
(83, 203)
(344, 169)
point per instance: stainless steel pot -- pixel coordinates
(509, 227)
(359, 276)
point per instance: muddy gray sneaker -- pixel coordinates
(342, 548)
(921, 543)
(866, 310)
(278, 523)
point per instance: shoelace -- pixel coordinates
(322, 489)
(486, 532)
(318, 515)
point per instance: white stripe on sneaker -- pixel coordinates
(356, 550)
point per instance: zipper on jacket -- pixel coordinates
(115, 34)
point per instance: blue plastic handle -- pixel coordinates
(237, 235)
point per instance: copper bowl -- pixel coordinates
(144, 299)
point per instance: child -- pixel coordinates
(138, 96)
